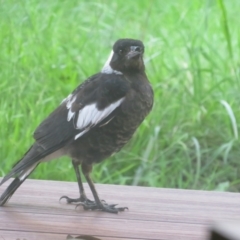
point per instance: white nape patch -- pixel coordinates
(107, 69)
(90, 116)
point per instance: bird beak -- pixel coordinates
(134, 52)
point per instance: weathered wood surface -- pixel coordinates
(35, 213)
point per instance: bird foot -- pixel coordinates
(92, 205)
(103, 206)
(79, 200)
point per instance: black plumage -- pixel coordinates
(96, 120)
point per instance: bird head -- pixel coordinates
(127, 56)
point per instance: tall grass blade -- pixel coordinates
(232, 118)
(198, 158)
(226, 27)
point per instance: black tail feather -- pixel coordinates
(23, 168)
(30, 159)
(15, 184)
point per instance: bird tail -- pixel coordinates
(15, 184)
(21, 170)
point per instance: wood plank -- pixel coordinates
(13, 235)
(170, 204)
(21, 235)
(102, 227)
(154, 213)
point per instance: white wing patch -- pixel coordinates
(67, 98)
(81, 133)
(70, 100)
(90, 115)
(107, 69)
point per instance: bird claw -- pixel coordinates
(69, 200)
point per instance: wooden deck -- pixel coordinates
(34, 213)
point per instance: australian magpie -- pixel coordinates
(95, 121)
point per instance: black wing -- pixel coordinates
(88, 106)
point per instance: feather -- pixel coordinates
(107, 69)
(90, 115)
(15, 184)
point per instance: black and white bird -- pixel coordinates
(96, 120)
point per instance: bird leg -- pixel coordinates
(97, 204)
(83, 198)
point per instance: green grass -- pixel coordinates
(191, 138)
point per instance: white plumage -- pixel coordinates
(24, 174)
(90, 115)
(81, 133)
(67, 98)
(107, 69)
(70, 115)
(70, 99)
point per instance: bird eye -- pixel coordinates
(120, 51)
(138, 49)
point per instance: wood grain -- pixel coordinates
(154, 213)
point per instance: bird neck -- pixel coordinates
(136, 75)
